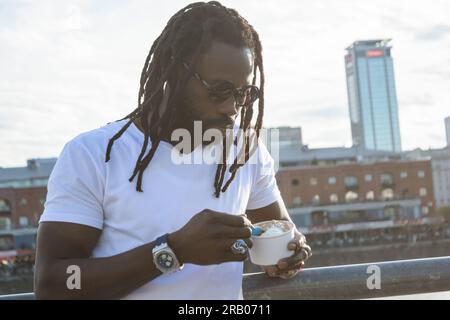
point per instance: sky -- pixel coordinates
(67, 67)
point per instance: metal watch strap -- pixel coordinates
(162, 239)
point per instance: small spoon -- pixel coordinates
(256, 231)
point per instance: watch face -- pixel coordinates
(165, 260)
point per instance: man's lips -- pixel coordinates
(222, 123)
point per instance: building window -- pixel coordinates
(390, 212)
(387, 194)
(295, 182)
(351, 196)
(421, 174)
(331, 180)
(425, 210)
(39, 182)
(334, 198)
(368, 178)
(23, 202)
(297, 201)
(370, 195)
(316, 199)
(5, 223)
(313, 181)
(422, 192)
(403, 174)
(4, 206)
(387, 179)
(351, 181)
(23, 221)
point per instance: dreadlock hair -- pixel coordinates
(186, 36)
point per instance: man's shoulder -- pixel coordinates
(94, 141)
(97, 136)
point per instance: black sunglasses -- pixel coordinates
(244, 96)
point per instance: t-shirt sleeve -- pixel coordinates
(75, 188)
(264, 189)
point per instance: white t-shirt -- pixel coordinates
(84, 189)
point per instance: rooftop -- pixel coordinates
(37, 168)
(370, 43)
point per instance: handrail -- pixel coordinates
(356, 281)
(400, 277)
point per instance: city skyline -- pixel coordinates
(70, 67)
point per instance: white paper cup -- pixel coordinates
(269, 250)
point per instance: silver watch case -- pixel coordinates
(165, 259)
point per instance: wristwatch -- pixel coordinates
(164, 258)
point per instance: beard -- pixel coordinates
(185, 119)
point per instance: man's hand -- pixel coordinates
(207, 238)
(289, 267)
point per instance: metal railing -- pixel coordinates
(401, 277)
(20, 296)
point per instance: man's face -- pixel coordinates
(220, 62)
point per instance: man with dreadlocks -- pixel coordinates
(133, 224)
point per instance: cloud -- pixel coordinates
(420, 100)
(324, 112)
(69, 67)
(437, 32)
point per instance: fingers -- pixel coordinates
(272, 271)
(298, 242)
(297, 245)
(249, 243)
(227, 244)
(230, 219)
(308, 250)
(285, 274)
(302, 253)
(289, 274)
(234, 232)
(297, 266)
(292, 246)
(231, 257)
(275, 271)
(298, 257)
(228, 253)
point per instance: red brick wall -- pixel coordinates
(306, 191)
(33, 207)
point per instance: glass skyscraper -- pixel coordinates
(372, 96)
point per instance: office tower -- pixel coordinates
(372, 96)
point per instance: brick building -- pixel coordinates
(440, 164)
(22, 193)
(358, 192)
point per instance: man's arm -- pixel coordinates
(274, 211)
(204, 240)
(61, 244)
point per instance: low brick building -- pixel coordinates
(358, 191)
(22, 193)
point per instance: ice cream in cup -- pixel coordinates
(271, 244)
